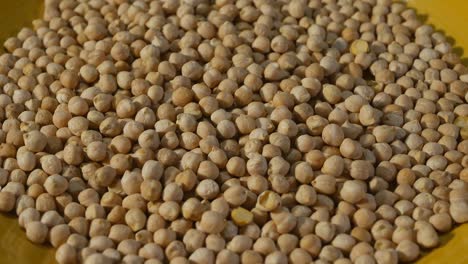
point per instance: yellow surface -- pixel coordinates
(14, 247)
(15, 14)
(448, 16)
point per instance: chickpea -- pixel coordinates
(120, 232)
(35, 141)
(306, 195)
(66, 254)
(236, 166)
(202, 255)
(353, 191)
(55, 185)
(407, 250)
(235, 195)
(324, 184)
(36, 232)
(59, 235)
(212, 222)
(241, 216)
(268, 201)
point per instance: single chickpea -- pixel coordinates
(36, 232)
(212, 222)
(35, 141)
(324, 184)
(306, 195)
(353, 191)
(56, 184)
(66, 254)
(407, 250)
(7, 201)
(207, 189)
(268, 201)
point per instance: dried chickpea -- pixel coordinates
(7, 201)
(36, 232)
(212, 222)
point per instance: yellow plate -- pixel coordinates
(448, 16)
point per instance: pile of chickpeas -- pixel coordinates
(249, 131)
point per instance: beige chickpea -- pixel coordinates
(407, 250)
(135, 219)
(207, 189)
(88, 196)
(36, 232)
(211, 222)
(77, 241)
(172, 192)
(207, 170)
(186, 179)
(193, 239)
(120, 232)
(386, 256)
(353, 191)
(182, 96)
(26, 160)
(73, 210)
(59, 234)
(268, 201)
(96, 151)
(164, 237)
(66, 254)
(426, 235)
(458, 211)
(150, 189)
(251, 256)
(235, 195)
(78, 124)
(7, 201)
(95, 211)
(105, 176)
(306, 195)
(28, 215)
(239, 244)
(35, 141)
(361, 169)
(202, 255)
(100, 243)
(350, 149)
(236, 166)
(333, 165)
(311, 243)
(55, 184)
(73, 154)
(169, 210)
(325, 184)
(441, 222)
(16, 188)
(364, 218)
(219, 205)
(77, 106)
(131, 182)
(79, 225)
(215, 242)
